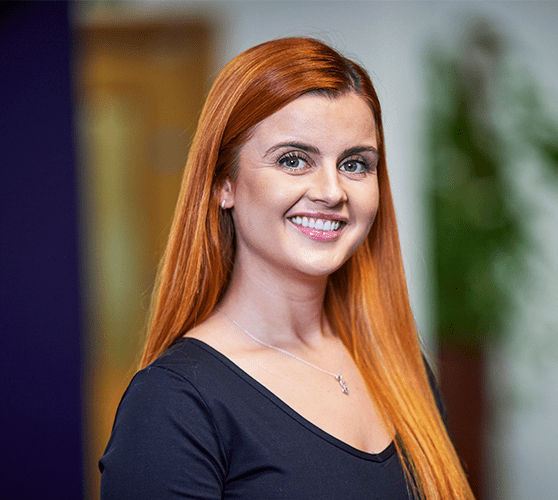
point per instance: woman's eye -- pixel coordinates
(292, 161)
(354, 166)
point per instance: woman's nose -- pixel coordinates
(327, 186)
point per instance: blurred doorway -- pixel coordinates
(140, 87)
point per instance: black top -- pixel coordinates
(194, 425)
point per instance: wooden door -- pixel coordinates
(140, 88)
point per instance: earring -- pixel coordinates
(223, 204)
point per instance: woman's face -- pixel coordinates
(306, 191)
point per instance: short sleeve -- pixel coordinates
(165, 444)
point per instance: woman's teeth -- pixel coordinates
(322, 224)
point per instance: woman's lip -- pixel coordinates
(318, 234)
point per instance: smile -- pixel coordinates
(321, 224)
(318, 229)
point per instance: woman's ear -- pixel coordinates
(227, 195)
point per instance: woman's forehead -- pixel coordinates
(317, 118)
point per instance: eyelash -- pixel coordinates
(366, 166)
(295, 155)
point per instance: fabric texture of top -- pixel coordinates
(193, 425)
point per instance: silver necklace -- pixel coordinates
(337, 377)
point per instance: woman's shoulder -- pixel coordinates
(191, 373)
(188, 362)
(175, 378)
(184, 355)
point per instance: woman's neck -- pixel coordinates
(279, 309)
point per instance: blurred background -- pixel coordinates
(99, 101)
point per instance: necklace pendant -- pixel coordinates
(343, 385)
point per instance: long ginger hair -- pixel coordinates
(366, 300)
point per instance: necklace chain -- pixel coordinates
(337, 377)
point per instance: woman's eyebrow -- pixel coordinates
(360, 149)
(315, 150)
(296, 145)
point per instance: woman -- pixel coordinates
(282, 359)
